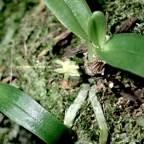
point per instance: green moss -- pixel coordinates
(34, 73)
(121, 10)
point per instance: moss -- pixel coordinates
(29, 59)
(121, 10)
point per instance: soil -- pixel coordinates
(29, 47)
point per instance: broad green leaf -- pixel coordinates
(97, 28)
(125, 51)
(73, 14)
(19, 107)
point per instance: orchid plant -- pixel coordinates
(124, 51)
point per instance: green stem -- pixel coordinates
(91, 52)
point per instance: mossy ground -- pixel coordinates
(27, 62)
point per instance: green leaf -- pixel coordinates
(73, 14)
(125, 51)
(97, 28)
(19, 107)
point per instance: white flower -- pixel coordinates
(69, 68)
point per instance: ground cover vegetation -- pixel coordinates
(29, 48)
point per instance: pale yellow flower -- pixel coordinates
(69, 68)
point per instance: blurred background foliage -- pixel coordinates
(11, 13)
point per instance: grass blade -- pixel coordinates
(75, 107)
(19, 107)
(99, 115)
